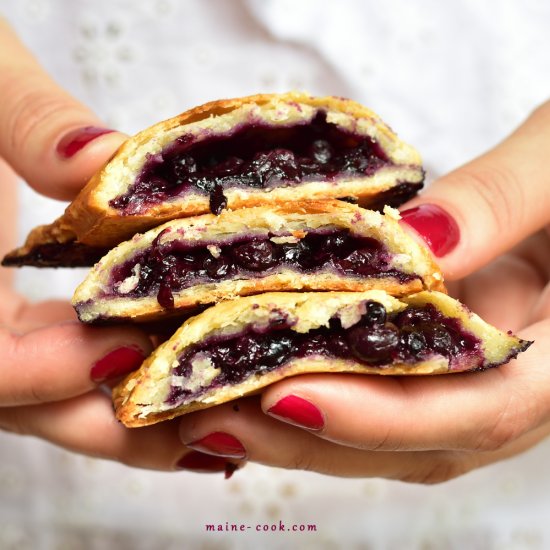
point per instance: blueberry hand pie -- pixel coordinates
(323, 245)
(240, 346)
(252, 151)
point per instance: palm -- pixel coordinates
(513, 291)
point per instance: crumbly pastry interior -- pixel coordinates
(236, 348)
(325, 245)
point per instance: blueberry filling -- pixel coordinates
(164, 269)
(378, 339)
(252, 156)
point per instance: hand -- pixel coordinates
(487, 225)
(51, 366)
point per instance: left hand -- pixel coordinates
(492, 241)
(53, 368)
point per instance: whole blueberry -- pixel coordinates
(321, 151)
(416, 315)
(255, 255)
(362, 262)
(183, 165)
(438, 338)
(375, 345)
(217, 268)
(413, 341)
(375, 314)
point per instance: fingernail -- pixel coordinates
(219, 444)
(75, 140)
(201, 462)
(435, 226)
(117, 363)
(298, 411)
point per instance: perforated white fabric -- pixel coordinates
(452, 78)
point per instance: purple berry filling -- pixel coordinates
(254, 156)
(378, 339)
(168, 268)
(69, 254)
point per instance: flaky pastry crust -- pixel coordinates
(140, 399)
(90, 220)
(93, 303)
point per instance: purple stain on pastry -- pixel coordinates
(254, 155)
(165, 269)
(68, 254)
(378, 339)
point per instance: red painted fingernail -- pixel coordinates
(117, 363)
(435, 226)
(201, 462)
(299, 412)
(219, 444)
(75, 140)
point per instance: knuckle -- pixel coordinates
(300, 459)
(12, 420)
(22, 389)
(500, 195)
(515, 418)
(32, 106)
(439, 468)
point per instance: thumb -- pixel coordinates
(43, 130)
(484, 208)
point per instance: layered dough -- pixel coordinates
(180, 376)
(111, 291)
(97, 219)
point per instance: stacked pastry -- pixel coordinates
(248, 218)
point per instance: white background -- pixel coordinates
(451, 78)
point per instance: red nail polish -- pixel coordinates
(435, 226)
(117, 363)
(201, 462)
(75, 140)
(219, 444)
(299, 412)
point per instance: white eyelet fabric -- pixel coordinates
(453, 78)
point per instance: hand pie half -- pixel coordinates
(251, 151)
(238, 347)
(324, 245)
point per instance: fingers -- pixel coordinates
(43, 129)
(504, 292)
(87, 425)
(476, 411)
(269, 442)
(8, 209)
(65, 360)
(243, 432)
(484, 208)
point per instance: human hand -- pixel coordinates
(487, 224)
(51, 366)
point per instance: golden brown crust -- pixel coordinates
(140, 399)
(297, 218)
(92, 221)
